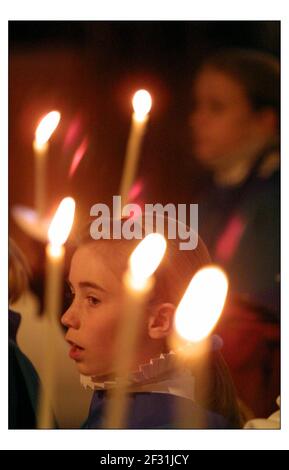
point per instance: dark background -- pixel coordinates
(89, 72)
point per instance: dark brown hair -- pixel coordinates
(257, 72)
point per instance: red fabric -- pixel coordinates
(252, 352)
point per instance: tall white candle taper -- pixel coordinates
(142, 103)
(138, 282)
(44, 130)
(58, 233)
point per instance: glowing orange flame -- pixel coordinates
(61, 224)
(46, 127)
(142, 103)
(146, 258)
(202, 304)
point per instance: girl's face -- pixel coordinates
(93, 319)
(223, 120)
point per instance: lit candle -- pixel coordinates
(44, 130)
(142, 103)
(196, 316)
(202, 304)
(138, 283)
(58, 233)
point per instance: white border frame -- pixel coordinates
(134, 10)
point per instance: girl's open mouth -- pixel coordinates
(75, 351)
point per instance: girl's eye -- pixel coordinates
(93, 301)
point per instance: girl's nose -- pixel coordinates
(70, 319)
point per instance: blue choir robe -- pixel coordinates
(147, 410)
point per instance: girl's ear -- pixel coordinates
(160, 323)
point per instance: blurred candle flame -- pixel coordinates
(202, 304)
(142, 103)
(73, 133)
(135, 190)
(145, 259)
(78, 156)
(61, 224)
(46, 127)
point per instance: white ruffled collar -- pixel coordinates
(157, 370)
(161, 375)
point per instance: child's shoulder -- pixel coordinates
(159, 411)
(164, 410)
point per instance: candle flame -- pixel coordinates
(146, 258)
(202, 304)
(46, 127)
(61, 224)
(135, 190)
(78, 156)
(142, 103)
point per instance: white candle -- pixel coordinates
(58, 233)
(138, 282)
(142, 103)
(44, 130)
